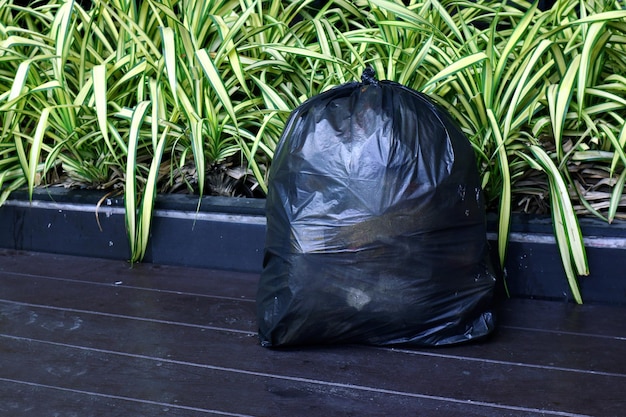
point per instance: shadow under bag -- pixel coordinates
(375, 225)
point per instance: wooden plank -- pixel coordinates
(184, 386)
(204, 310)
(543, 349)
(526, 349)
(454, 378)
(141, 275)
(27, 399)
(551, 316)
(239, 315)
(600, 320)
(547, 358)
(550, 349)
(604, 321)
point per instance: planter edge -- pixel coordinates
(229, 234)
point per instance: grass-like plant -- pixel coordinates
(146, 97)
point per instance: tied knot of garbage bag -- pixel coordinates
(369, 77)
(375, 225)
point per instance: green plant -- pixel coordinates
(159, 95)
(513, 81)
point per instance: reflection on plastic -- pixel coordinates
(375, 225)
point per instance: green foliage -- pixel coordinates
(138, 96)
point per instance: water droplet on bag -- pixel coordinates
(462, 191)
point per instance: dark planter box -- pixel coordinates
(225, 233)
(229, 233)
(534, 269)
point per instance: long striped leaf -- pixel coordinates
(559, 97)
(610, 16)
(505, 192)
(273, 100)
(216, 82)
(35, 149)
(616, 196)
(62, 40)
(130, 189)
(156, 100)
(17, 88)
(607, 95)
(525, 82)
(324, 44)
(516, 37)
(400, 11)
(453, 69)
(228, 47)
(594, 39)
(169, 56)
(197, 146)
(443, 13)
(148, 199)
(100, 97)
(129, 75)
(250, 152)
(416, 61)
(14, 40)
(617, 143)
(621, 143)
(567, 230)
(302, 52)
(60, 31)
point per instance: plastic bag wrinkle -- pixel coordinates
(375, 225)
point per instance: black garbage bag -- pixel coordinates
(375, 225)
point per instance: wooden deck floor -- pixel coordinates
(90, 337)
